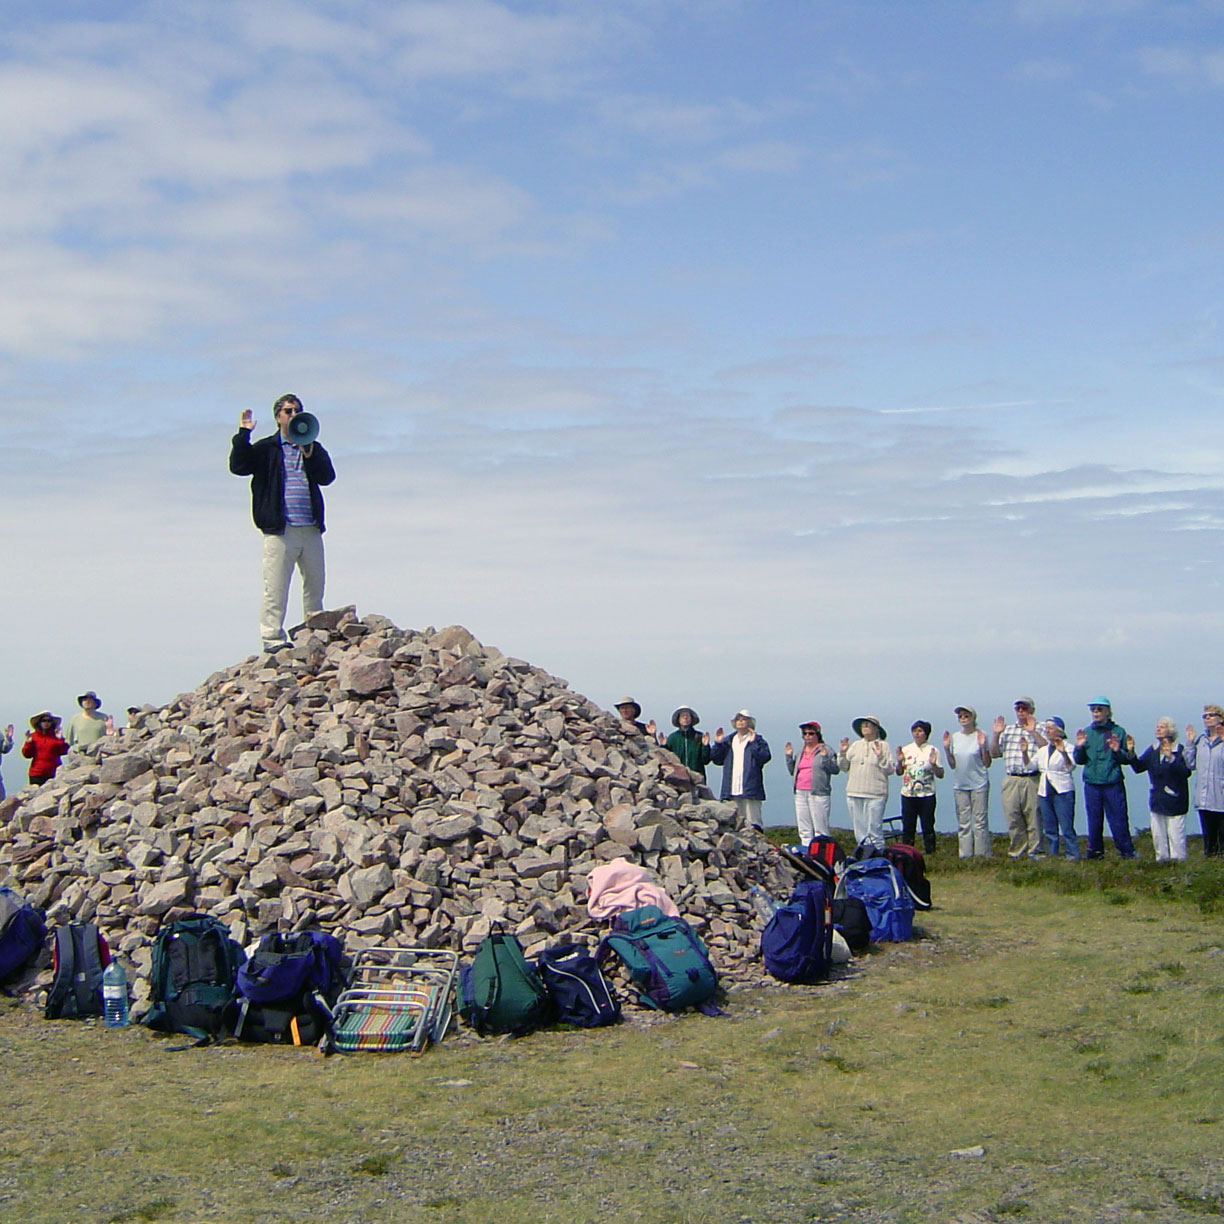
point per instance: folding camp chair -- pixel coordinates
(397, 999)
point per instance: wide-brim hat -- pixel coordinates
(628, 701)
(91, 693)
(745, 714)
(39, 717)
(857, 724)
(680, 710)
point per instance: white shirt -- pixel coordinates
(1055, 772)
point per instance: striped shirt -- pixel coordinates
(1013, 741)
(299, 512)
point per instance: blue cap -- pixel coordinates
(1058, 722)
(1101, 701)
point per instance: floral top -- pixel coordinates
(918, 779)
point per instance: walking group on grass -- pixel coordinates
(1038, 759)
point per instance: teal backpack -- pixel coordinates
(195, 968)
(500, 992)
(666, 961)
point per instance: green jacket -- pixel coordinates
(1101, 766)
(687, 745)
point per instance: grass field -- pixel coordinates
(1066, 1032)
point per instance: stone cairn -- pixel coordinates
(411, 788)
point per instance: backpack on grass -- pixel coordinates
(79, 956)
(852, 922)
(667, 963)
(195, 968)
(911, 867)
(500, 991)
(580, 993)
(23, 931)
(287, 988)
(890, 907)
(797, 943)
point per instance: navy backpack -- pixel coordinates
(797, 943)
(288, 987)
(22, 932)
(580, 993)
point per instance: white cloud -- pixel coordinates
(1189, 67)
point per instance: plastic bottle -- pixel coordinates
(764, 903)
(114, 995)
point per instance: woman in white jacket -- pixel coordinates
(869, 765)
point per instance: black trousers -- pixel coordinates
(915, 808)
(1213, 833)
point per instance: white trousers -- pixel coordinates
(811, 815)
(300, 548)
(1169, 837)
(867, 817)
(749, 810)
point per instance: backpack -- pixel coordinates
(580, 993)
(500, 992)
(824, 850)
(287, 988)
(868, 848)
(23, 930)
(889, 905)
(911, 867)
(797, 943)
(79, 956)
(667, 963)
(851, 919)
(195, 965)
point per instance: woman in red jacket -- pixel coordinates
(43, 747)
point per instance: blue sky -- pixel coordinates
(815, 357)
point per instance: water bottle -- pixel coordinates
(114, 996)
(765, 905)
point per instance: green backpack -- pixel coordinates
(195, 965)
(500, 992)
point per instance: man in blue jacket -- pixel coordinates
(287, 507)
(1102, 750)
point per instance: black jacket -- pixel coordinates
(262, 462)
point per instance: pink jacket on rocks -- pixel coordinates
(622, 885)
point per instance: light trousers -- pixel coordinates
(1020, 809)
(1169, 837)
(749, 810)
(811, 815)
(299, 548)
(973, 831)
(867, 817)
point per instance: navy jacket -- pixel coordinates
(1170, 781)
(755, 757)
(262, 462)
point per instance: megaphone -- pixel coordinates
(303, 428)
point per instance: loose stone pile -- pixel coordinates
(410, 788)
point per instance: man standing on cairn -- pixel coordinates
(287, 507)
